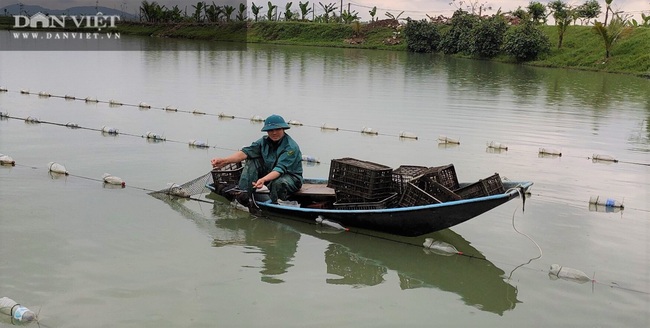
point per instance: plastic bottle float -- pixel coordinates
(154, 136)
(310, 159)
(110, 130)
(559, 272)
(439, 247)
(15, 310)
(113, 180)
(407, 135)
(55, 167)
(549, 151)
(326, 127)
(447, 140)
(367, 130)
(7, 160)
(497, 145)
(603, 158)
(198, 143)
(325, 222)
(604, 201)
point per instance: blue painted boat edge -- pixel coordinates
(510, 193)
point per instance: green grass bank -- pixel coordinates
(582, 48)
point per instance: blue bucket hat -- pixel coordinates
(275, 122)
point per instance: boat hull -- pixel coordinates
(404, 221)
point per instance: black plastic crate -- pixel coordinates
(361, 178)
(228, 174)
(344, 197)
(473, 190)
(404, 174)
(438, 191)
(445, 175)
(491, 185)
(388, 202)
(415, 196)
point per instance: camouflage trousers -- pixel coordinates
(279, 188)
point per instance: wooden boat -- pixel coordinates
(316, 200)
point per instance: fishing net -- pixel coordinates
(188, 189)
(228, 174)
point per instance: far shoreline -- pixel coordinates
(580, 50)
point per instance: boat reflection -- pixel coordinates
(362, 260)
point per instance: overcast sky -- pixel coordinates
(412, 8)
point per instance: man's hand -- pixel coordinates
(259, 183)
(218, 162)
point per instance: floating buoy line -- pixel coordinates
(492, 146)
(442, 140)
(107, 179)
(193, 143)
(598, 203)
(403, 135)
(111, 131)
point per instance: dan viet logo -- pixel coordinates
(40, 20)
(86, 26)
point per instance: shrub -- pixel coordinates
(526, 42)
(421, 36)
(456, 40)
(487, 36)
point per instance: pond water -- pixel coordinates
(86, 255)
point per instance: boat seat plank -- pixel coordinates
(310, 189)
(315, 189)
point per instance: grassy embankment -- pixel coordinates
(582, 48)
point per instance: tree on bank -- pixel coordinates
(537, 12)
(304, 10)
(487, 35)
(610, 33)
(563, 15)
(271, 12)
(526, 42)
(256, 10)
(588, 11)
(421, 36)
(457, 39)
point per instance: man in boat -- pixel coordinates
(274, 161)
